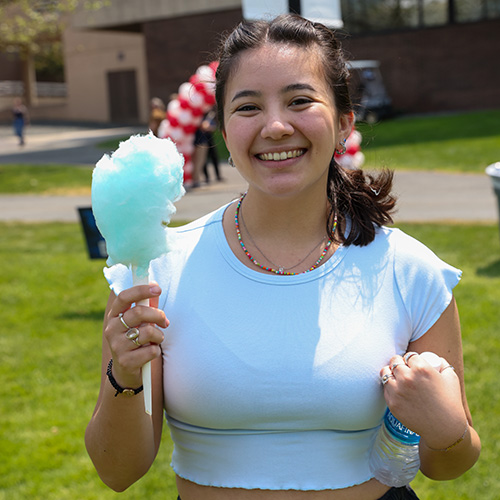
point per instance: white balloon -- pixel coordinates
(185, 117)
(185, 89)
(197, 99)
(176, 134)
(164, 128)
(174, 107)
(205, 73)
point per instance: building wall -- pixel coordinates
(449, 68)
(176, 47)
(89, 56)
(131, 12)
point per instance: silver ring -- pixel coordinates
(123, 321)
(385, 378)
(448, 366)
(408, 355)
(395, 365)
(133, 334)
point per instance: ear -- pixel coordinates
(346, 123)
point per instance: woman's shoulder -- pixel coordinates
(402, 243)
(413, 260)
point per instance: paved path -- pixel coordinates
(423, 196)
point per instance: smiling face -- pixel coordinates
(281, 125)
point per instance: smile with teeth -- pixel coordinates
(283, 155)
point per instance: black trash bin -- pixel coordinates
(96, 245)
(493, 171)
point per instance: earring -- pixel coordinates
(342, 149)
(231, 162)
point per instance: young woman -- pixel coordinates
(285, 308)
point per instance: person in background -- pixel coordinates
(157, 114)
(282, 325)
(203, 147)
(212, 155)
(20, 118)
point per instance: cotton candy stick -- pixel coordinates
(133, 195)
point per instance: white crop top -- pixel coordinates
(272, 382)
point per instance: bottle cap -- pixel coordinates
(432, 358)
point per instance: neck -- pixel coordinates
(290, 248)
(285, 219)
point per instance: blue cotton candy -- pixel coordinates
(133, 195)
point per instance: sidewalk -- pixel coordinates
(423, 196)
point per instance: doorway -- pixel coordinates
(122, 96)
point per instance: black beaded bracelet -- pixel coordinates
(114, 383)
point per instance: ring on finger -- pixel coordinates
(448, 366)
(133, 335)
(123, 321)
(395, 365)
(385, 378)
(408, 355)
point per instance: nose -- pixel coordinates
(276, 126)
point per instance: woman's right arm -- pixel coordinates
(121, 439)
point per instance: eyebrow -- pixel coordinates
(246, 93)
(289, 88)
(298, 86)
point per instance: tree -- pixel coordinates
(27, 26)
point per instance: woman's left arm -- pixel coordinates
(433, 402)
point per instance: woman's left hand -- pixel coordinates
(425, 399)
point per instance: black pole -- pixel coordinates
(451, 11)
(294, 7)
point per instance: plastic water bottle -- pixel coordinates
(394, 458)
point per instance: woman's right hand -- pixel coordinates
(129, 356)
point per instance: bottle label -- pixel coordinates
(398, 430)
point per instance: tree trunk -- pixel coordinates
(29, 79)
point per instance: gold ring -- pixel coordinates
(132, 334)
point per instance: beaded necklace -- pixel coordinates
(280, 270)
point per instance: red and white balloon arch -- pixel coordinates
(185, 112)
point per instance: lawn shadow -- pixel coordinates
(491, 270)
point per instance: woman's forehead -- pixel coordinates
(281, 62)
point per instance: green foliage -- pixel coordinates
(24, 24)
(49, 63)
(53, 300)
(466, 142)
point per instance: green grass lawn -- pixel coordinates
(53, 299)
(45, 179)
(466, 142)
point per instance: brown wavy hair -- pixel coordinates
(365, 200)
